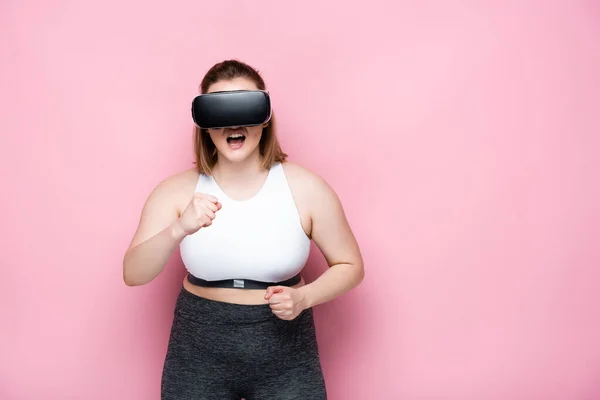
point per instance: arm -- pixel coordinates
(332, 234)
(157, 236)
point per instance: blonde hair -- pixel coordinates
(204, 148)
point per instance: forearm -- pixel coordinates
(145, 261)
(336, 281)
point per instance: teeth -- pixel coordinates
(236, 135)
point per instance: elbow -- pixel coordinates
(361, 273)
(128, 277)
(128, 281)
(359, 269)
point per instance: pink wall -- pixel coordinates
(463, 141)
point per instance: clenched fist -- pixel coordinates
(285, 302)
(199, 213)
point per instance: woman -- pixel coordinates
(243, 219)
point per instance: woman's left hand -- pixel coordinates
(285, 302)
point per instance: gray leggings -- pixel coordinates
(225, 351)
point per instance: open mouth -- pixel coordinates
(236, 138)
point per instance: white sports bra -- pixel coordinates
(259, 239)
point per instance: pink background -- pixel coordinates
(463, 141)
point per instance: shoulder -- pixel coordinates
(176, 189)
(301, 176)
(183, 181)
(307, 184)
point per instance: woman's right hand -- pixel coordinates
(199, 213)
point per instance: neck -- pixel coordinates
(233, 173)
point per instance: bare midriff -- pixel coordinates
(235, 296)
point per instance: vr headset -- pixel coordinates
(231, 109)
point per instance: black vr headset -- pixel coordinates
(231, 109)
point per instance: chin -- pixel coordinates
(237, 156)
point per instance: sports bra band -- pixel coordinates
(242, 283)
